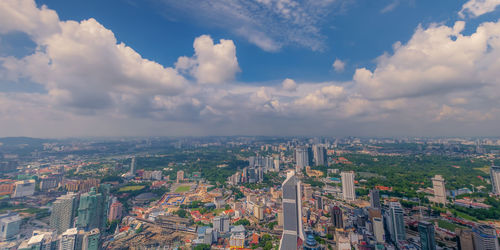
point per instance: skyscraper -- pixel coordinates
(277, 164)
(301, 158)
(495, 179)
(375, 198)
(427, 239)
(293, 235)
(9, 225)
(91, 211)
(115, 211)
(348, 191)
(336, 215)
(180, 176)
(221, 224)
(439, 189)
(132, 166)
(69, 239)
(63, 212)
(319, 155)
(378, 229)
(395, 222)
(91, 240)
(485, 237)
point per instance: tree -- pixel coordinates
(202, 247)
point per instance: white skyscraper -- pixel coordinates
(132, 166)
(69, 239)
(277, 164)
(319, 155)
(495, 179)
(293, 234)
(301, 158)
(439, 189)
(378, 229)
(348, 191)
(63, 212)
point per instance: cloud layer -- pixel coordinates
(440, 82)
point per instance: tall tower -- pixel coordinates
(69, 239)
(375, 198)
(336, 215)
(439, 189)
(132, 166)
(427, 239)
(319, 155)
(495, 179)
(277, 164)
(293, 234)
(348, 191)
(301, 158)
(63, 212)
(396, 223)
(485, 237)
(91, 211)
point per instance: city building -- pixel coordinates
(375, 198)
(485, 237)
(336, 217)
(63, 212)
(348, 190)
(320, 156)
(301, 158)
(132, 166)
(90, 240)
(495, 179)
(293, 234)
(221, 224)
(48, 183)
(438, 184)
(180, 176)
(258, 211)
(24, 188)
(378, 229)
(91, 211)
(9, 226)
(311, 243)
(6, 187)
(115, 211)
(69, 240)
(237, 241)
(395, 222)
(465, 238)
(277, 164)
(40, 240)
(427, 238)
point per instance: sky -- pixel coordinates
(249, 67)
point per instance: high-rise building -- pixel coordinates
(378, 229)
(439, 189)
(24, 188)
(63, 212)
(180, 176)
(395, 222)
(293, 234)
(115, 211)
(336, 215)
(375, 198)
(318, 201)
(320, 156)
(9, 225)
(495, 179)
(132, 166)
(485, 237)
(69, 240)
(221, 224)
(427, 239)
(258, 211)
(311, 243)
(465, 239)
(91, 240)
(301, 158)
(91, 211)
(277, 164)
(348, 190)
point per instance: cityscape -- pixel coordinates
(250, 124)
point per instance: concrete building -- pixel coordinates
(395, 222)
(301, 158)
(63, 212)
(348, 189)
(336, 217)
(375, 198)
(427, 238)
(9, 226)
(115, 211)
(90, 240)
(465, 239)
(495, 179)
(378, 229)
(69, 240)
(320, 156)
(438, 184)
(221, 224)
(258, 211)
(277, 164)
(24, 188)
(180, 176)
(132, 166)
(293, 234)
(485, 237)
(91, 211)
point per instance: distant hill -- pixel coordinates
(14, 141)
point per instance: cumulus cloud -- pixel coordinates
(212, 63)
(338, 65)
(289, 85)
(475, 8)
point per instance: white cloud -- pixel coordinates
(289, 85)
(390, 7)
(477, 8)
(338, 65)
(212, 63)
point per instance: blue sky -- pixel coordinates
(167, 67)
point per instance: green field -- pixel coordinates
(182, 189)
(485, 169)
(130, 188)
(448, 225)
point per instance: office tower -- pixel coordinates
(378, 229)
(395, 222)
(91, 211)
(24, 188)
(375, 198)
(115, 211)
(439, 189)
(319, 156)
(319, 202)
(258, 211)
(91, 240)
(69, 240)
(221, 224)
(63, 212)
(132, 166)
(293, 234)
(495, 179)
(485, 237)
(9, 226)
(465, 239)
(348, 191)
(426, 231)
(336, 215)
(308, 191)
(301, 158)
(277, 164)
(180, 176)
